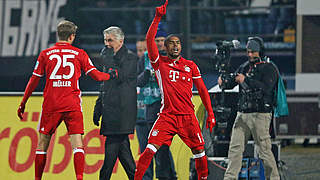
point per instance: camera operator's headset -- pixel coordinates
(259, 40)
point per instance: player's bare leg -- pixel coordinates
(41, 155)
(201, 163)
(78, 154)
(145, 160)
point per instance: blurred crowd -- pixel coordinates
(236, 18)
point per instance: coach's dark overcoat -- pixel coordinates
(117, 101)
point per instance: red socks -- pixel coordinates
(78, 161)
(144, 161)
(40, 162)
(201, 165)
(41, 157)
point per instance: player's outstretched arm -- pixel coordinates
(31, 86)
(101, 76)
(205, 98)
(151, 34)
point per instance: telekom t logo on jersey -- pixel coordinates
(173, 75)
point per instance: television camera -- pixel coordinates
(222, 58)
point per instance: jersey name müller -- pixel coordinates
(62, 65)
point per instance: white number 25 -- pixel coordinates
(65, 63)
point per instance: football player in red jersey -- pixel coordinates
(175, 76)
(62, 65)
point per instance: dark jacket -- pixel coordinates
(258, 87)
(150, 89)
(117, 101)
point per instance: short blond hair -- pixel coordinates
(65, 29)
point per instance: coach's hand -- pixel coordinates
(113, 73)
(21, 109)
(96, 118)
(211, 121)
(160, 11)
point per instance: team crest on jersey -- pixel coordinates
(186, 68)
(155, 132)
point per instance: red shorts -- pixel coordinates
(50, 121)
(168, 125)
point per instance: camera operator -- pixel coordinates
(257, 80)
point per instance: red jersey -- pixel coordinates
(175, 79)
(62, 65)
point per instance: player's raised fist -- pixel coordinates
(161, 10)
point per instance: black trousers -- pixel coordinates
(117, 146)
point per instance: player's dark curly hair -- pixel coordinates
(170, 36)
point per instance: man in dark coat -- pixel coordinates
(117, 103)
(257, 79)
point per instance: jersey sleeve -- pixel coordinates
(155, 65)
(40, 66)
(153, 52)
(195, 71)
(86, 63)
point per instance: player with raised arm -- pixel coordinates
(62, 65)
(175, 76)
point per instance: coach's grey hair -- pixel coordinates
(116, 31)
